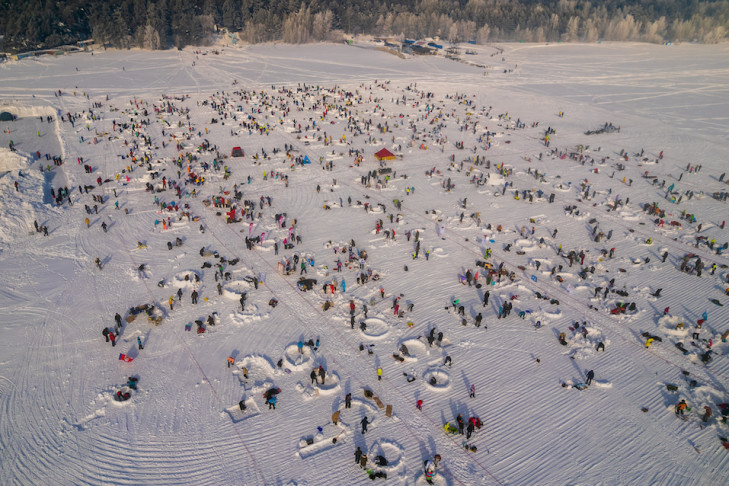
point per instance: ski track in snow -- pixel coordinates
(60, 422)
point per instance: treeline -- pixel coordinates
(161, 24)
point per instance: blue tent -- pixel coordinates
(306, 160)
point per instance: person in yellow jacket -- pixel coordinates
(379, 373)
(87, 222)
(648, 342)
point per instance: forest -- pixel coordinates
(163, 24)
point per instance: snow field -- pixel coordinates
(58, 376)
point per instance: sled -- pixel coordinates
(388, 411)
(125, 358)
(130, 318)
(580, 386)
(714, 301)
(379, 403)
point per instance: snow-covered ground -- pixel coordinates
(60, 422)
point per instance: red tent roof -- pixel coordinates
(384, 154)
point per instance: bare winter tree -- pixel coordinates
(655, 31)
(482, 36)
(151, 38)
(297, 26)
(322, 25)
(573, 27)
(590, 31)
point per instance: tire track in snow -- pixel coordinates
(42, 358)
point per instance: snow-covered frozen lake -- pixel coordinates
(621, 200)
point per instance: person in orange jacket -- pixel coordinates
(680, 407)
